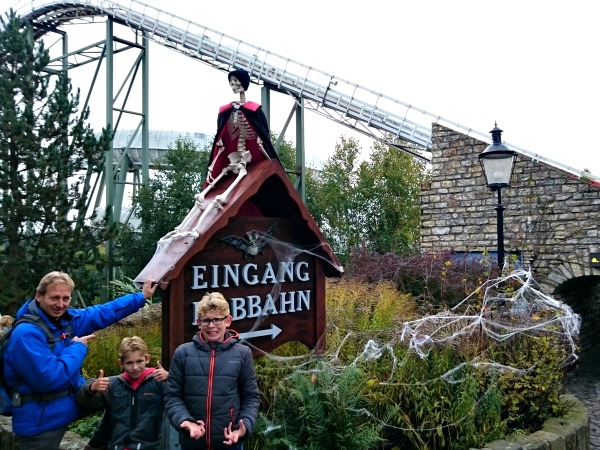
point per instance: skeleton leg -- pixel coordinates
(219, 200)
(200, 197)
(222, 198)
(199, 204)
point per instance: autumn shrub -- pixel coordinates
(531, 392)
(435, 279)
(437, 402)
(366, 310)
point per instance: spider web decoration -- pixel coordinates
(285, 252)
(511, 305)
(501, 309)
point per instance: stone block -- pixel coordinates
(566, 429)
(555, 441)
(502, 445)
(531, 442)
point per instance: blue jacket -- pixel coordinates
(30, 362)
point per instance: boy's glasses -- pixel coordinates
(216, 322)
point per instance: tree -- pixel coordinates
(287, 155)
(374, 203)
(47, 155)
(333, 199)
(390, 184)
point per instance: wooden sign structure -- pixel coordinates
(271, 268)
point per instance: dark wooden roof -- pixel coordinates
(268, 187)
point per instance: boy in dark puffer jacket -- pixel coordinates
(212, 397)
(133, 400)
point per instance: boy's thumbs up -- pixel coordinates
(160, 374)
(101, 383)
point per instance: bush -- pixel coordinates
(532, 393)
(438, 280)
(317, 409)
(459, 394)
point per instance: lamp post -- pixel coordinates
(497, 161)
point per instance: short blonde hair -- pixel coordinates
(132, 344)
(213, 301)
(6, 321)
(54, 278)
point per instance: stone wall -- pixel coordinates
(551, 217)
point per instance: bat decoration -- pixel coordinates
(254, 243)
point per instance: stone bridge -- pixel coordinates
(552, 220)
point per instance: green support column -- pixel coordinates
(300, 162)
(145, 110)
(298, 111)
(108, 170)
(265, 99)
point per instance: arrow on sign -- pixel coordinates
(273, 332)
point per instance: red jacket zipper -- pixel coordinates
(211, 373)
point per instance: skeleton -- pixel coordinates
(239, 131)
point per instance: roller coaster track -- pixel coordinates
(372, 113)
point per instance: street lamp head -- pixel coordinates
(497, 161)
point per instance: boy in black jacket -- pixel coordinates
(133, 400)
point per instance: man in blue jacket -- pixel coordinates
(47, 377)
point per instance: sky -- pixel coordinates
(528, 66)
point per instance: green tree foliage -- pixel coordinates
(287, 154)
(332, 197)
(391, 185)
(48, 154)
(163, 203)
(373, 202)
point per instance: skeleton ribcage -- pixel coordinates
(239, 128)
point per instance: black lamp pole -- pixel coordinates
(497, 161)
(500, 229)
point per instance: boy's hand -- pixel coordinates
(160, 374)
(101, 383)
(233, 436)
(196, 430)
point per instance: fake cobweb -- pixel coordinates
(500, 310)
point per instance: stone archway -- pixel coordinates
(582, 294)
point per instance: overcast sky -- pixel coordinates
(529, 65)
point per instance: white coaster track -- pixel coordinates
(372, 113)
